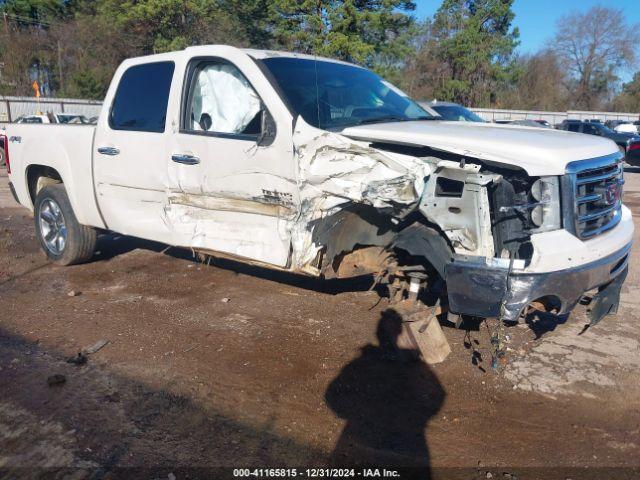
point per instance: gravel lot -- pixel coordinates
(224, 365)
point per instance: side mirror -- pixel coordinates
(267, 129)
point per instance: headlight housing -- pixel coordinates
(545, 213)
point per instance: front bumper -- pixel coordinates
(477, 288)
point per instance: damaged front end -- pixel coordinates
(384, 209)
(539, 228)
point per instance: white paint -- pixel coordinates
(335, 171)
(219, 204)
(466, 220)
(65, 148)
(626, 128)
(559, 250)
(539, 151)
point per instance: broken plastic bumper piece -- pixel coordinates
(476, 288)
(13, 192)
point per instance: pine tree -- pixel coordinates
(373, 33)
(476, 40)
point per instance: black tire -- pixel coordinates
(53, 213)
(2, 161)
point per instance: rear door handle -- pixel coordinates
(185, 159)
(108, 151)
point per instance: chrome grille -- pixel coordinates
(597, 189)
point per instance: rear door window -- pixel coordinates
(574, 127)
(141, 100)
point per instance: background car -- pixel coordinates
(523, 123)
(453, 111)
(72, 118)
(34, 119)
(67, 118)
(3, 133)
(597, 128)
(622, 126)
(633, 153)
(544, 123)
(627, 128)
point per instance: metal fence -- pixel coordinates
(12, 108)
(493, 114)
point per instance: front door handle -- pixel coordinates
(108, 151)
(185, 159)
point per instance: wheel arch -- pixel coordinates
(38, 177)
(361, 234)
(59, 154)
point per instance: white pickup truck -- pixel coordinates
(320, 167)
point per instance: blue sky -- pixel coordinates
(536, 19)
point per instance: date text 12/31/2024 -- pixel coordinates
(315, 473)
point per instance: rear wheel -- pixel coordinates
(61, 237)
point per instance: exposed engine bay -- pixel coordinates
(463, 210)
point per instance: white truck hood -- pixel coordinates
(539, 151)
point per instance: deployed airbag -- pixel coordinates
(225, 95)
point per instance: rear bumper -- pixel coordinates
(475, 288)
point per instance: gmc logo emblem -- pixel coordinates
(612, 193)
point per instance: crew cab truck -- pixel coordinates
(322, 168)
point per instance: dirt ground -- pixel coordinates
(222, 365)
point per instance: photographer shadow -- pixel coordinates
(387, 396)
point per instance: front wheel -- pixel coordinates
(61, 237)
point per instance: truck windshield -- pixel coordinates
(334, 96)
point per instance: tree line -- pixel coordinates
(467, 52)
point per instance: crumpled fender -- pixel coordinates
(334, 171)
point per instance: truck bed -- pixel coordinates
(67, 149)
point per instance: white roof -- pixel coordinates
(228, 50)
(260, 54)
